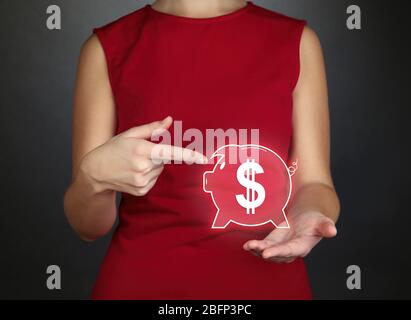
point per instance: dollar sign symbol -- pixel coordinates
(246, 177)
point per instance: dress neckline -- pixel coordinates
(223, 17)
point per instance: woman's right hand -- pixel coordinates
(125, 163)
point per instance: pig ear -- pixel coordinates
(222, 165)
(220, 160)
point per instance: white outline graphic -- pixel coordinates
(290, 170)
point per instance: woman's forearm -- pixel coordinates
(317, 197)
(90, 212)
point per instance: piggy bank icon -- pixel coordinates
(251, 190)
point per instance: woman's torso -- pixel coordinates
(235, 71)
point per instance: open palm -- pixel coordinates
(284, 245)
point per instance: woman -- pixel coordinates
(210, 64)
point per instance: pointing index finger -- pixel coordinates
(164, 153)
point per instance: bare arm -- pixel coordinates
(311, 134)
(315, 206)
(93, 125)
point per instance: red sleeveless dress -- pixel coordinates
(232, 71)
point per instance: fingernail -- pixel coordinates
(202, 160)
(166, 118)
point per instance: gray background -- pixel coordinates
(369, 112)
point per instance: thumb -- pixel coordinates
(327, 229)
(148, 130)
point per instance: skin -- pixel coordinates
(198, 8)
(104, 164)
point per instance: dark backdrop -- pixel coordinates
(369, 87)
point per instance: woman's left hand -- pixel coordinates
(284, 245)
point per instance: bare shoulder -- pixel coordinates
(310, 46)
(92, 50)
(92, 65)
